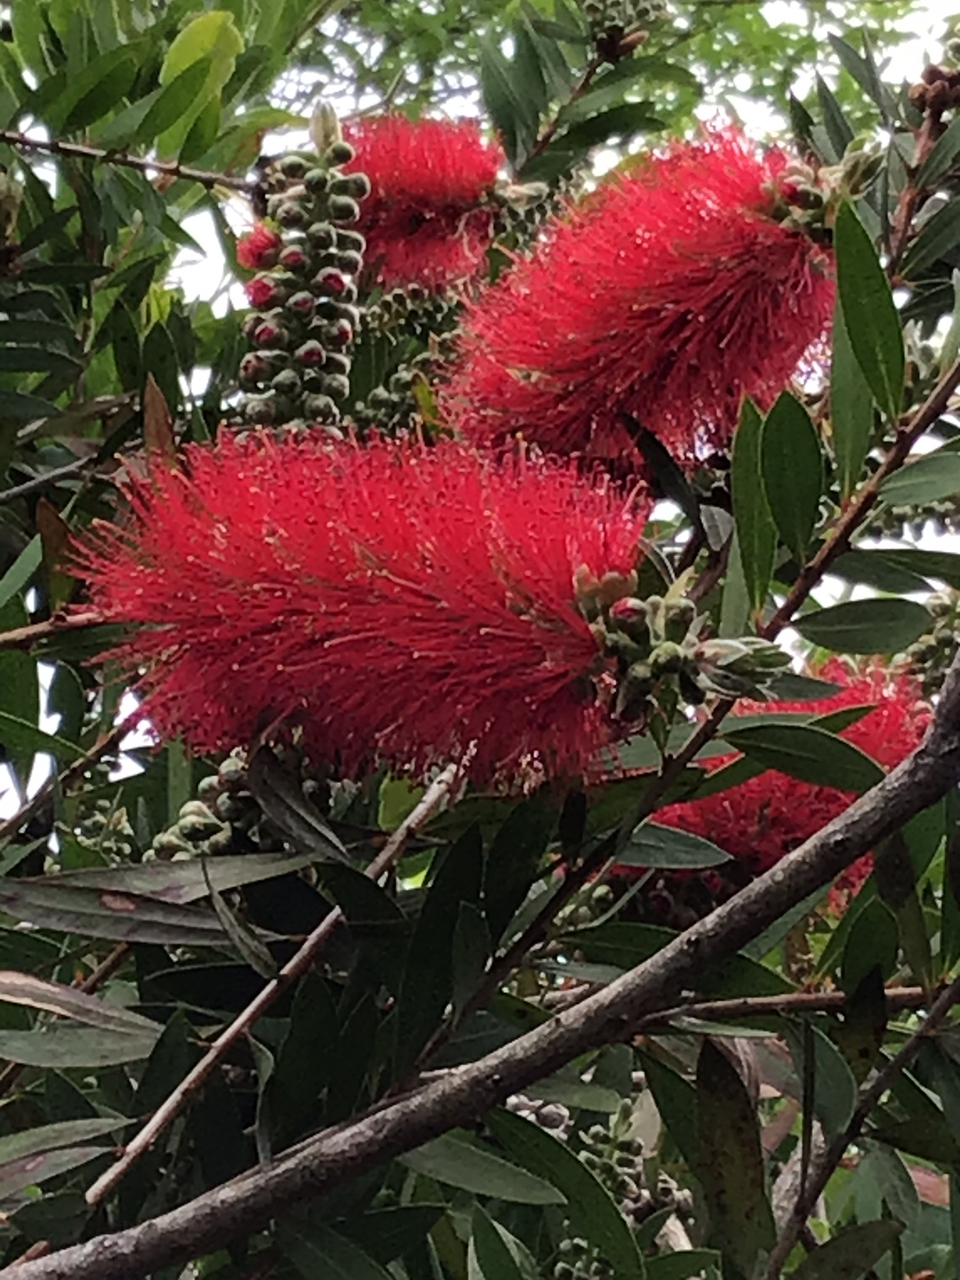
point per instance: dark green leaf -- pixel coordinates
(106, 914)
(866, 626)
(514, 857)
(835, 1090)
(892, 1176)
(281, 797)
(875, 570)
(931, 478)
(807, 752)
(851, 1254)
(36, 359)
(97, 90)
(860, 1033)
(651, 845)
(668, 477)
(938, 237)
(838, 130)
(512, 114)
(173, 101)
(494, 1259)
(941, 156)
(851, 408)
(872, 943)
(789, 687)
(871, 318)
(676, 1100)
(591, 1211)
(756, 531)
(317, 1250)
(22, 407)
(29, 1171)
(179, 882)
(792, 468)
(427, 984)
(690, 1264)
(18, 735)
(730, 1164)
(389, 1233)
(457, 1163)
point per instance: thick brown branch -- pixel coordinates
(80, 151)
(318, 1165)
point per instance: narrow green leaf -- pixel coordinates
(872, 943)
(652, 845)
(838, 130)
(791, 465)
(390, 1233)
(689, 1264)
(835, 1090)
(172, 102)
(53, 1137)
(676, 1100)
(809, 753)
(18, 735)
(21, 407)
(866, 626)
(591, 1211)
(96, 90)
(31, 1171)
(871, 318)
(317, 1250)
(938, 237)
(851, 1254)
(730, 1164)
(851, 408)
(931, 478)
(941, 157)
(457, 1163)
(896, 1185)
(756, 531)
(494, 1259)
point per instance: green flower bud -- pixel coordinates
(339, 153)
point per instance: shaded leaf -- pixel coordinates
(756, 531)
(651, 845)
(28, 1171)
(730, 1164)
(929, 479)
(182, 882)
(809, 753)
(834, 1088)
(792, 469)
(317, 1250)
(866, 626)
(851, 407)
(281, 797)
(457, 1163)
(871, 318)
(851, 1254)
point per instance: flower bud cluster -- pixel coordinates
(620, 26)
(522, 209)
(306, 317)
(932, 653)
(660, 653)
(415, 309)
(224, 817)
(938, 89)
(807, 197)
(617, 1160)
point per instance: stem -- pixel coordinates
(577, 92)
(868, 1098)
(294, 969)
(24, 637)
(53, 146)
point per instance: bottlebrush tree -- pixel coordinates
(479, 713)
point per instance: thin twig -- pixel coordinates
(577, 92)
(793, 1002)
(37, 483)
(24, 637)
(294, 969)
(80, 151)
(868, 1098)
(238, 1208)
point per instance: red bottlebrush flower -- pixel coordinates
(427, 219)
(669, 295)
(259, 248)
(761, 820)
(398, 603)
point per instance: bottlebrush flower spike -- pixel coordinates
(670, 294)
(427, 219)
(397, 603)
(761, 820)
(259, 249)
